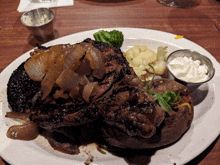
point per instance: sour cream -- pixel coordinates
(30, 21)
(188, 70)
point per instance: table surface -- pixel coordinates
(196, 22)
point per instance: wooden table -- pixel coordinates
(196, 23)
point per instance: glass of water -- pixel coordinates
(174, 3)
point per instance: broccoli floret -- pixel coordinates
(113, 38)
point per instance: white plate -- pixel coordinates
(204, 129)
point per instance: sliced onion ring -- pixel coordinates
(88, 90)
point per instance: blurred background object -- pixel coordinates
(42, 1)
(174, 3)
(40, 23)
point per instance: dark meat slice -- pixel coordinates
(19, 89)
(162, 85)
(132, 110)
(174, 125)
(64, 145)
(68, 139)
(63, 113)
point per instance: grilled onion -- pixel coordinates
(66, 66)
(89, 90)
(96, 60)
(26, 131)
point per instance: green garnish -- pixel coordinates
(148, 84)
(165, 100)
(113, 38)
(100, 147)
(162, 102)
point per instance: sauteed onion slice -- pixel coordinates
(67, 67)
(28, 130)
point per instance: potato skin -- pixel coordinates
(175, 124)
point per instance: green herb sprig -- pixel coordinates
(148, 84)
(165, 100)
(101, 147)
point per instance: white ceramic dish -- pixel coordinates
(204, 129)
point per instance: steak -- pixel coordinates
(19, 89)
(130, 117)
(132, 110)
(67, 112)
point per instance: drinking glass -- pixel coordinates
(174, 3)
